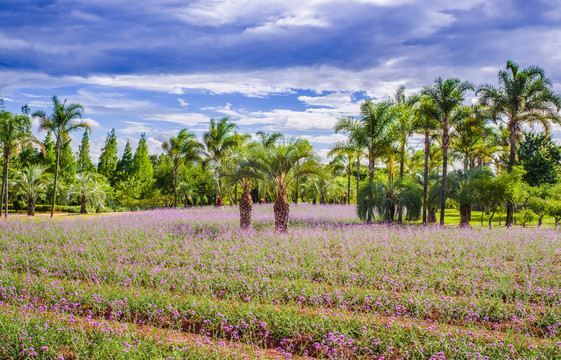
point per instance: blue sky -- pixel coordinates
(278, 65)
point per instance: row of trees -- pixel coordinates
(438, 113)
(486, 138)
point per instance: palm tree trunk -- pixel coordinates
(425, 176)
(297, 187)
(84, 204)
(357, 177)
(431, 215)
(511, 163)
(281, 208)
(56, 175)
(464, 215)
(246, 206)
(5, 186)
(370, 179)
(349, 183)
(445, 143)
(175, 171)
(401, 165)
(236, 194)
(31, 206)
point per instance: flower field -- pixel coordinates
(189, 284)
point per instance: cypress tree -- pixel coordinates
(49, 158)
(84, 161)
(108, 159)
(141, 166)
(67, 161)
(124, 165)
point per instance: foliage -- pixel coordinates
(540, 157)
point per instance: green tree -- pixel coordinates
(444, 105)
(371, 131)
(141, 166)
(67, 161)
(280, 164)
(84, 160)
(15, 133)
(184, 147)
(107, 163)
(89, 192)
(522, 97)
(32, 184)
(124, 164)
(60, 123)
(463, 188)
(217, 140)
(540, 157)
(49, 158)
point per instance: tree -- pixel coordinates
(180, 148)
(49, 157)
(84, 163)
(67, 161)
(15, 133)
(385, 198)
(427, 126)
(268, 139)
(89, 192)
(236, 172)
(107, 163)
(444, 105)
(280, 164)
(217, 140)
(540, 157)
(124, 164)
(61, 123)
(522, 97)
(463, 188)
(349, 153)
(141, 166)
(32, 184)
(372, 131)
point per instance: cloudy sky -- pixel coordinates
(293, 66)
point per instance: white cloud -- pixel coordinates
(185, 119)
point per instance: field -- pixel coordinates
(188, 284)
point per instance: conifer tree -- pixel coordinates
(49, 158)
(84, 161)
(141, 166)
(67, 161)
(108, 159)
(124, 164)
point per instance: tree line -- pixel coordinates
(501, 165)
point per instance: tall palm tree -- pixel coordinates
(217, 140)
(522, 97)
(15, 134)
(403, 128)
(280, 164)
(444, 105)
(88, 190)
(371, 131)
(184, 147)
(32, 184)
(350, 153)
(61, 122)
(235, 172)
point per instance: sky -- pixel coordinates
(293, 66)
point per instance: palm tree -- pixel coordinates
(403, 128)
(88, 190)
(61, 123)
(464, 186)
(385, 197)
(15, 134)
(280, 164)
(372, 131)
(268, 139)
(444, 105)
(523, 97)
(236, 172)
(217, 140)
(184, 147)
(344, 153)
(33, 185)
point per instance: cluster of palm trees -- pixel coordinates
(438, 112)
